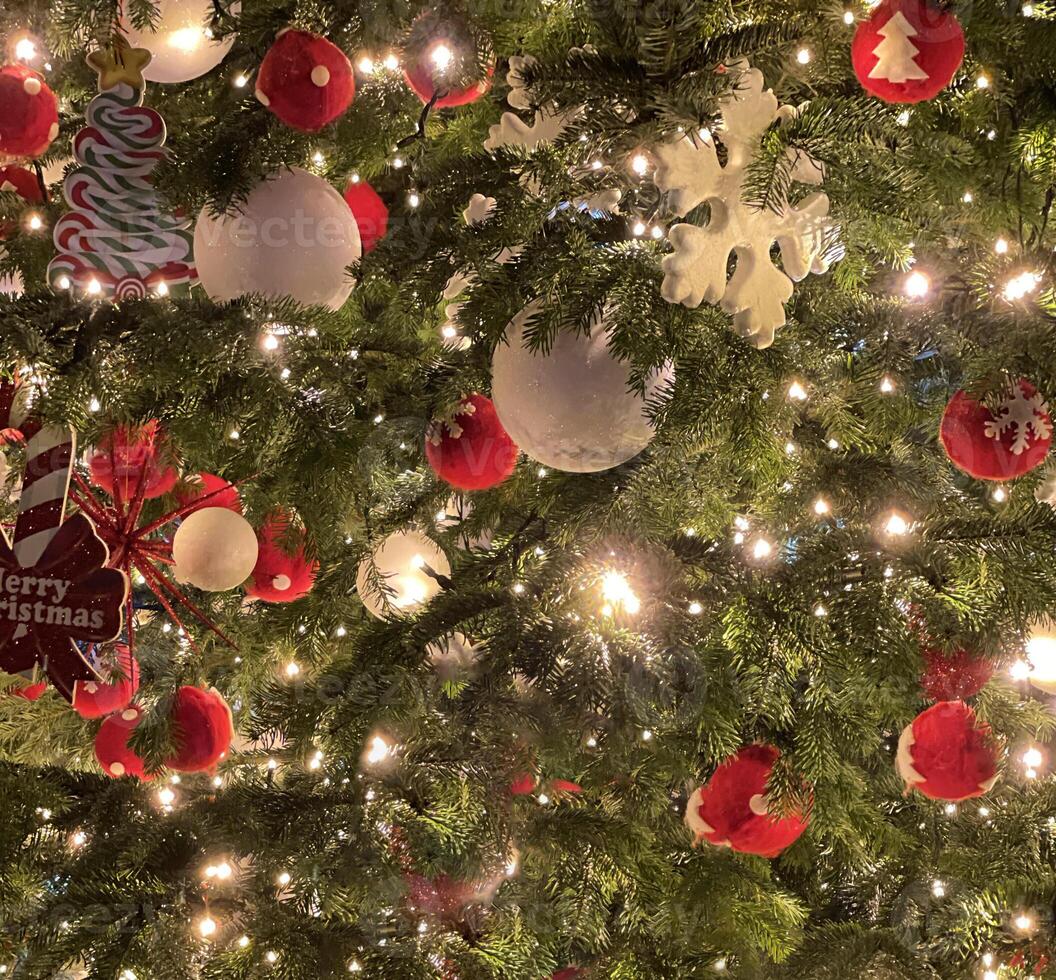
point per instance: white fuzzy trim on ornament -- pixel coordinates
(320, 75)
(700, 827)
(117, 769)
(31, 86)
(759, 805)
(904, 757)
(54, 131)
(281, 583)
(262, 98)
(129, 714)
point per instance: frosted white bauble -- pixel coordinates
(294, 236)
(570, 408)
(1041, 654)
(214, 549)
(400, 562)
(177, 40)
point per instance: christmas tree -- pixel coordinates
(593, 517)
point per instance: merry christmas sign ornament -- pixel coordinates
(908, 51)
(55, 590)
(116, 241)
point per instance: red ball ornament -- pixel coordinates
(305, 80)
(471, 450)
(440, 53)
(202, 729)
(97, 699)
(111, 745)
(29, 112)
(946, 754)
(28, 692)
(731, 809)
(370, 213)
(907, 51)
(127, 456)
(283, 572)
(1002, 445)
(424, 80)
(208, 490)
(956, 675)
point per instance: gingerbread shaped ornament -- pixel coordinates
(907, 51)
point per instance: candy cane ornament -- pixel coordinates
(54, 587)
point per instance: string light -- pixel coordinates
(617, 592)
(1001, 246)
(78, 839)
(896, 524)
(366, 66)
(413, 199)
(221, 871)
(695, 608)
(821, 506)
(886, 385)
(1024, 923)
(441, 56)
(243, 941)
(166, 797)
(797, 392)
(391, 62)
(206, 927)
(999, 494)
(25, 49)
(94, 287)
(640, 164)
(240, 80)
(938, 889)
(94, 405)
(34, 222)
(1028, 10)
(803, 56)
(848, 17)
(271, 956)
(378, 751)
(1020, 285)
(762, 549)
(1032, 758)
(283, 879)
(657, 232)
(638, 229)
(967, 197)
(916, 285)
(270, 342)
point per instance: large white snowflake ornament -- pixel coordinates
(1026, 417)
(690, 172)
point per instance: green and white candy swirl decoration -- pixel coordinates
(116, 241)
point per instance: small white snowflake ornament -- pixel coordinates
(548, 121)
(689, 170)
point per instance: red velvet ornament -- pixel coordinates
(907, 51)
(437, 50)
(1002, 446)
(211, 490)
(372, 217)
(29, 112)
(471, 451)
(283, 573)
(29, 692)
(111, 745)
(201, 729)
(951, 676)
(423, 78)
(305, 80)
(96, 699)
(131, 455)
(730, 810)
(946, 754)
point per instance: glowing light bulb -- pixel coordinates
(803, 56)
(413, 199)
(441, 56)
(1041, 657)
(391, 62)
(896, 524)
(887, 385)
(1020, 285)
(240, 80)
(820, 611)
(379, 750)
(638, 229)
(656, 232)
(821, 506)
(271, 956)
(1028, 10)
(1024, 923)
(695, 609)
(166, 796)
(78, 839)
(366, 66)
(762, 549)
(797, 392)
(284, 878)
(1032, 758)
(938, 889)
(243, 941)
(916, 285)
(617, 592)
(982, 81)
(848, 17)
(640, 164)
(1001, 246)
(999, 494)
(94, 405)
(292, 669)
(967, 197)
(206, 927)
(35, 222)
(270, 342)
(25, 49)
(94, 287)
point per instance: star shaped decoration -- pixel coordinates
(119, 62)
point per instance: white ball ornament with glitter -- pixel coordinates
(571, 408)
(294, 236)
(214, 549)
(179, 40)
(395, 579)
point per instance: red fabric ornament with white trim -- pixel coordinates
(202, 729)
(125, 456)
(29, 112)
(731, 809)
(306, 80)
(907, 51)
(471, 450)
(439, 53)
(946, 754)
(97, 699)
(1000, 445)
(370, 212)
(955, 675)
(112, 751)
(211, 490)
(283, 572)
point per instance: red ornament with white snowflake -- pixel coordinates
(946, 754)
(202, 729)
(29, 112)
(1002, 444)
(283, 572)
(471, 450)
(370, 212)
(97, 699)
(306, 80)
(907, 51)
(732, 810)
(955, 675)
(127, 455)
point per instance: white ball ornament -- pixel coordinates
(1041, 655)
(179, 40)
(571, 408)
(214, 549)
(400, 563)
(294, 236)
